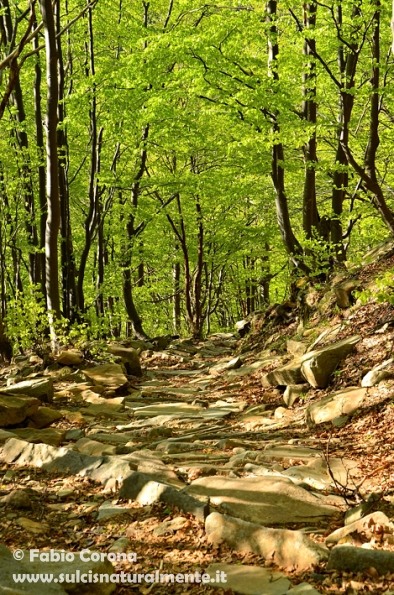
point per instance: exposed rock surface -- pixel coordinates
(333, 406)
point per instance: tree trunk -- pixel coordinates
(291, 243)
(52, 178)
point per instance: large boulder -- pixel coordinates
(291, 549)
(288, 374)
(39, 388)
(264, 500)
(344, 402)
(318, 365)
(14, 410)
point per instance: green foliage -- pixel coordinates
(26, 320)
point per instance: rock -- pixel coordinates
(370, 525)
(70, 357)
(378, 373)
(74, 435)
(171, 526)
(44, 436)
(108, 510)
(120, 546)
(93, 447)
(343, 293)
(317, 366)
(111, 472)
(146, 490)
(39, 388)
(106, 407)
(232, 364)
(264, 500)
(108, 375)
(9, 567)
(293, 392)
(248, 580)
(4, 435)
(303, 589)
(357, 512)
(243, 327)
(290, 549)
(344, 402)
(48, 457)
(43, 417)
(129, 357)
(289, 374)
(18, 500)
(35, 527)
(359, 559)
(296, 348)
(14, 410)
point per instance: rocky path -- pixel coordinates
(194, 467)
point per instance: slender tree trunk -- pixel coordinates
(52, 179)
(67, 252)
(291, 243)
(23, 155)
(310, 213)
(41, 166)
(93, 215)
(176, 309)
(132, 232)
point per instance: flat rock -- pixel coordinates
(47, 457)
(288, 374)
(263, 500)
(45, 436)
(93, 447)
(289, 451)
(344, 402)
(4, 435)
(108, 375)
(379, 373)
(288, 549)
(232, 364)
(111, 472)
(44, 417)
(106, 407)
(70, 357)
(248, 580)
(171, 526)
(376, 522)
(9, 567)
(39, 388)
(303, 589)
(146, 490)
(318, 365)
(15, 409)
(109, 510)
(359, 559)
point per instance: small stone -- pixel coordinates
(18, 500)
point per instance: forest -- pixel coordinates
(172, 166)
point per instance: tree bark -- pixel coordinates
(52, 173)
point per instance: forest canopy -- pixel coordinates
(172, 166)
